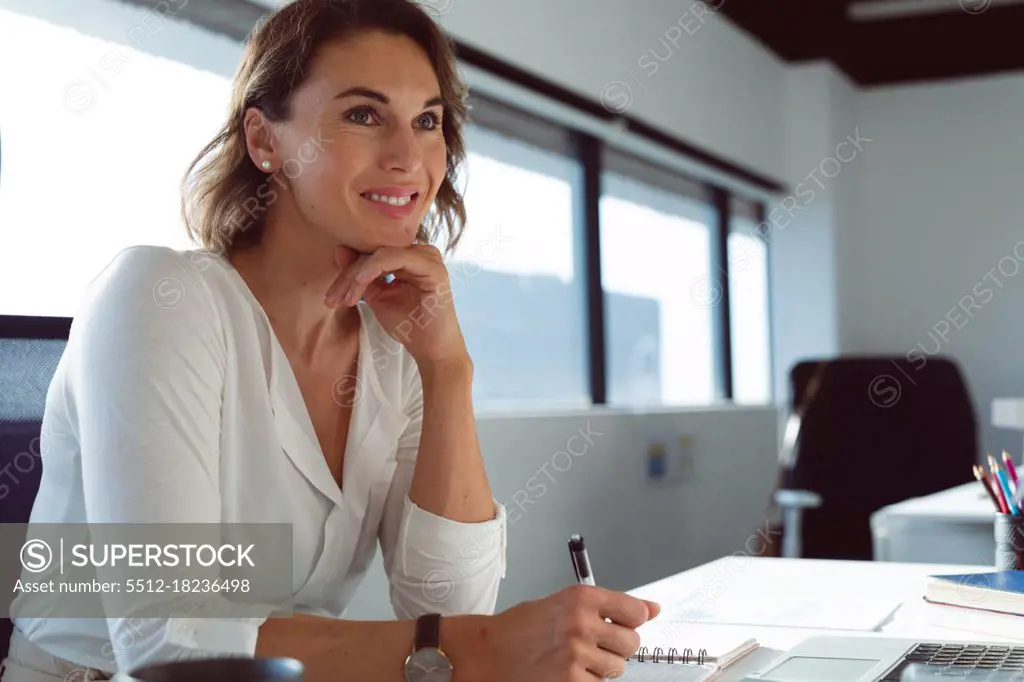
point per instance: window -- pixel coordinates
(100, 125)
(749, 313)
(515, 276)
(657, 237)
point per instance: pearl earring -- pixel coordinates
(265, 165)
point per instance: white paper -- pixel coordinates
(663, 672)
(834, 613)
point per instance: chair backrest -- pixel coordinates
(30, 348)
(879, 430)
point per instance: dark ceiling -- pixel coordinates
(973, 37)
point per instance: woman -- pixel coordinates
(307, 367)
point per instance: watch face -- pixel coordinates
(428, 665)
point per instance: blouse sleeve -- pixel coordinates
(146, 369)
(435, 564)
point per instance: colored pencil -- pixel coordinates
(1008, 461)
(979, 473)
(1004, 507)
(1004, 481)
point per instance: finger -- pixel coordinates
(374, 290)
(606, 666)
(377, 290)
(405, 265)
(343, 285)
(623, 609)
(343, 282)
(653, 609)
(413, 263)
(617, 639)
(347, 260)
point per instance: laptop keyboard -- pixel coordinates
(954, 660)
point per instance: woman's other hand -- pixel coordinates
(416, 307)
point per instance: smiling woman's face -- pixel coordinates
(363, 153)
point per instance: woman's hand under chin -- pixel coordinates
(416, 307)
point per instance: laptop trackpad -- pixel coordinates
(812, 669)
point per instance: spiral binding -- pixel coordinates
(659, 655)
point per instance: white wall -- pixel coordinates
(940, 211)
(908, 242)
(636, 530)
(801, 230)
(678, 64)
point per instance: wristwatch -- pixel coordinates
(427, 662)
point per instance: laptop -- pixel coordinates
(888, 659)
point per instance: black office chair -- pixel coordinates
(867, 432)
(30, 348)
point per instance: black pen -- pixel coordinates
(580, 561)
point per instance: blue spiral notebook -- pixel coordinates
(1001, 591)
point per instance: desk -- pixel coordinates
(953, 526)
(823, 581)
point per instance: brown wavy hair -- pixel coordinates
(222, 184)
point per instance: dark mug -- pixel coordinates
(219, 669)
(1009, 536)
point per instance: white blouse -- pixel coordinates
(174, 402)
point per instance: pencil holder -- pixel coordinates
(1009, 536)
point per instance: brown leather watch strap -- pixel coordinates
(428, 631)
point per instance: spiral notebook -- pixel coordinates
(672, 664)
